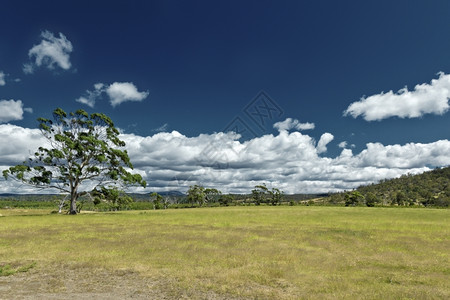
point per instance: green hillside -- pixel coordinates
(427, 189)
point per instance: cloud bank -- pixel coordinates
(52, 52)
(12, 110)
(424, 99)
(291, 161)
(118, 92)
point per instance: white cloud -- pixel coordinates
(28, 68)
(406, 156)
(2, 78)
(323, 142)
(17, 143)
(342, 145)
(51, 52)
(424, 99)
(11, 110)
(289, 160)
(87, 101)
(92, 96)
(161, 128)
(99, 86)
(290, 123)
(120, 92)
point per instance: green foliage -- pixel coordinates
(84, 148)
(115, 198)
(212, 195)
(26, 204)
(371, 199)
(353, 198)
(225, 200)
(159, 201)
(427, 189)
(196, 195)
(275, 196)
(259, 194)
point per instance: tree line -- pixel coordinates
(427, 189)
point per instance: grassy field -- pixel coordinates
(224, 253)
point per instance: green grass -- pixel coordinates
(249, 252)
(8, 270)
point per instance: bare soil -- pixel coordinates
(88, 283)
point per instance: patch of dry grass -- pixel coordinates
(246, 252)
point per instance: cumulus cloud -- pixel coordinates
(290, 123)
(118, 92)
(424, 99)
(414, 155)
(12, 110)
(17, 143)
(323, 142)
(342, 144)
(52, 52)
(289, 160)
(2, 78)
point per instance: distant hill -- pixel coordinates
(428, 189)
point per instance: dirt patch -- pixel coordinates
(88, 283)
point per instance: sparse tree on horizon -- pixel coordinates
(276, 196)
(259, 194)
(196, 194)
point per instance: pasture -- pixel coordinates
(262, 252)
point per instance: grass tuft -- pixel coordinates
(8, 269)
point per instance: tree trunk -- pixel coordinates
(73, 204)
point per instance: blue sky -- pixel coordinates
(176, 76)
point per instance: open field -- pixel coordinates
(228, 253)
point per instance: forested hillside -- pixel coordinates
(428, 189)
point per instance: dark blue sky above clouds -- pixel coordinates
(198, 67)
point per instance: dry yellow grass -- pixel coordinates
(239, 252)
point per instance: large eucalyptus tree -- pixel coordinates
(83, 153)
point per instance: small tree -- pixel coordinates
(353, 198)
(259, 194)
(225, 200)
(400, 198)
(115, 198)
(157, 200)
(212, 195)
(196, 195)
(275, 196)
(83, 153)
(371, 199)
